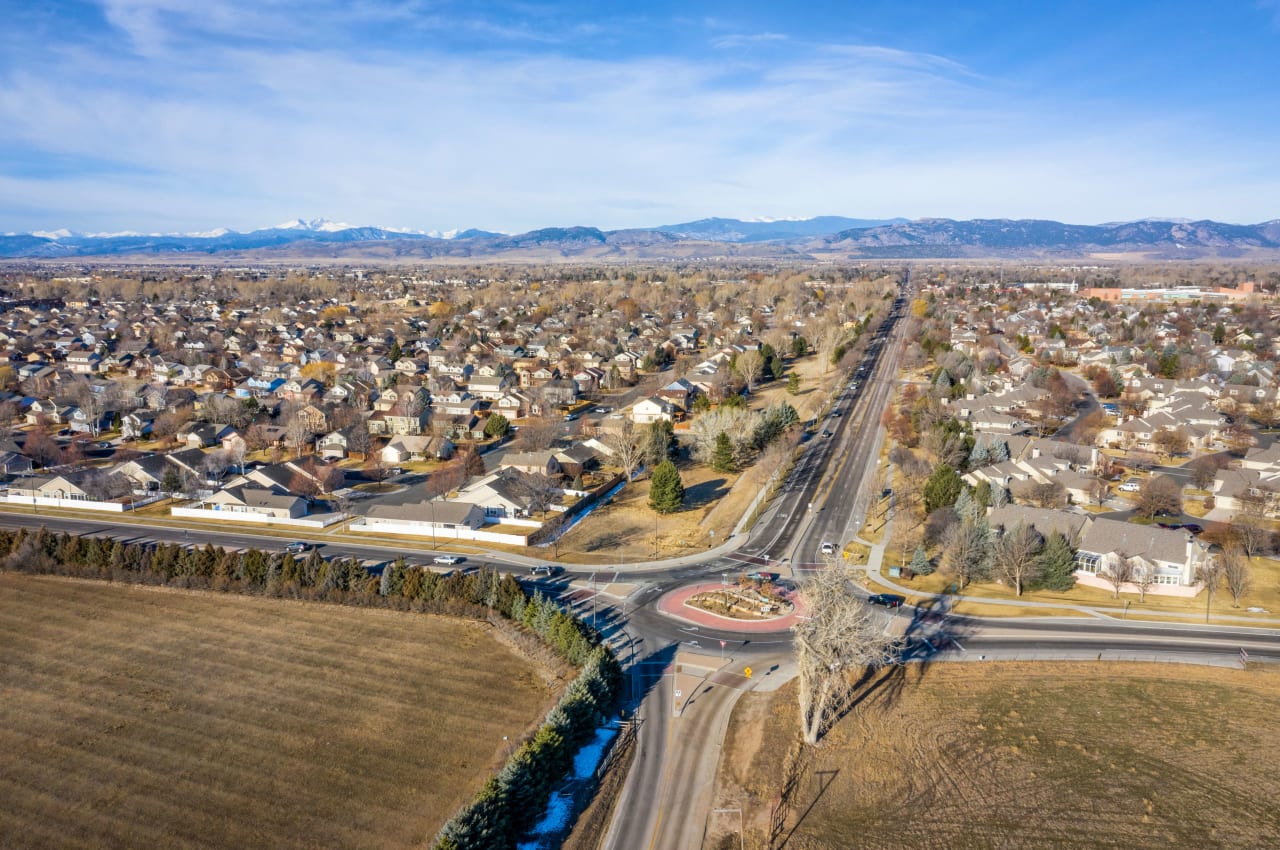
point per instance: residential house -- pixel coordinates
(1171, 557)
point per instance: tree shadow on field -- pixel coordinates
(931, 631)
(705, 493)
(825, 779)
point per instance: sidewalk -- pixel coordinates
(876, 560)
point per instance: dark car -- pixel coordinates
(1193, 527)
(888, 600)
(826, 433)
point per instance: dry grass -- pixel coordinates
(151, 718)
(628, 530)
(1263, 593)
(1025, 755)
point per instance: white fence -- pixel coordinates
(316, 521)
(373, 525)
(79, 504)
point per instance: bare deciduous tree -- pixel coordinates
(842, 635)
(626, 446)
(1209, 574)
(1119, 572)
(749, 365)
(1144, 578)
(1014, 556)
(1161, 494)
(538, 434)
(1252, 534)
(1236, 574)
(1047, 494)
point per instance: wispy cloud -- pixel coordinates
(239, 114)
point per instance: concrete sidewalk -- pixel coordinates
(875, 562)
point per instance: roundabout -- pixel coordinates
(676, 605)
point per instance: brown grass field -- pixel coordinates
(1022, 756)
(145, 718)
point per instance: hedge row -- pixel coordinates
(511, 803)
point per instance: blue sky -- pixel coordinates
(173, 115)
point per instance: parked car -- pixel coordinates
(297, 547)
(446, 559)
(888, 600)
(1130, 486)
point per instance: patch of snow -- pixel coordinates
(560, 806)
(319, 225)
(588, 758)
(556, 817)
(62, 233)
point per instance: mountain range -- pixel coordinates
(823, 237)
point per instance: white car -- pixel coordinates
(446, 559)
(828, 548)
(1130, 487)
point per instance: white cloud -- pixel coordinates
(216, 131)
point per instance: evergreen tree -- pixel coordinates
(659, 442)
(666, 490)
(999, 497)
(982, 494)
(722, 459)
(981, 454)
(999, 451)
(171, 483)
(920, 563)
(1057, 564)
(942, 488)
(793, 383)
(496, 425)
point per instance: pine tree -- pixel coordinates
(942, 488)
(666, 490)
(793, 383)
(999, 451)
(920, 563)
(722, 459)
(1057, 564)
(981, 454)
(171, 483)
(964, 504)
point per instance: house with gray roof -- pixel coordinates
(1170, 556)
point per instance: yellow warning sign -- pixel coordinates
(746, 671)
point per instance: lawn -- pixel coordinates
(1264, 592)
(138, 717)
(1070, 755)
